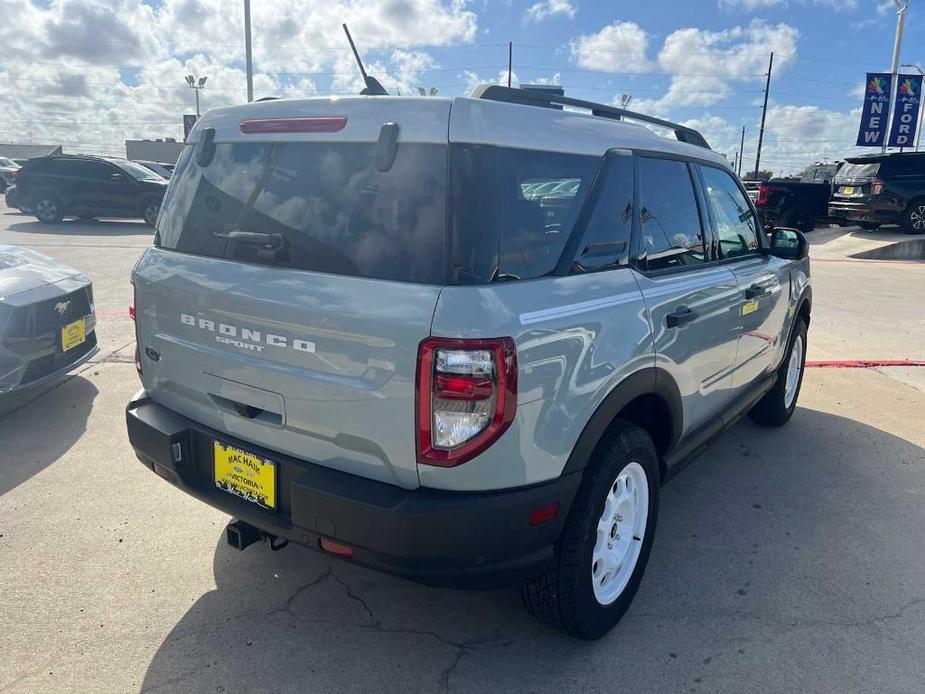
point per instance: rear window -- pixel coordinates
(512, 210)
(313, 206)
(850, 170)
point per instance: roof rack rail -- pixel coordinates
(494, 92)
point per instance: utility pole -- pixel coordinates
(741, 152)
(901, 8)
(764, 113)
(249, 64)
(510, 61)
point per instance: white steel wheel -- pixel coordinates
(794, 371)
(620, 532)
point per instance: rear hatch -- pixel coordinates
(297, 264)
(854, 181)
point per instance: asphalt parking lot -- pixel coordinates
(786, 560)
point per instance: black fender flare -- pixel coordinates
(648, 381)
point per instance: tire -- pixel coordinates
(576, 595)
(778, 404)
(48, 209)
(149, 212)
(870, 226)
(913, 221)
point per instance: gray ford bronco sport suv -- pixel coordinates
(464, 341)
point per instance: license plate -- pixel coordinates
(245, 475)
(848, 190)
(73, 334)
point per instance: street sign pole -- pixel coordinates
(901, 8)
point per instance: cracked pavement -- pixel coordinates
(785, 560)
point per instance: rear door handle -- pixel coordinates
(681, 316)
(756, 291)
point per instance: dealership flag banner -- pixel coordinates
(876, 109)
(906, 110)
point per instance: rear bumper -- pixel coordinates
(863, 212)
(455, 539)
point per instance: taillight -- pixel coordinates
(466, 397)
(876, 186)
(763, 191)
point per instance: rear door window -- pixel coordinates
(672, 234)
(313, 206)
(904, 165)
(512, 210)
(605, 243)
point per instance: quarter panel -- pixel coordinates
(577, 337)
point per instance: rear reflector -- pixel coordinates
(336, 548)
(544, 513)
(327, 124)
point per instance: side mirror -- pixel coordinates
(789, 243)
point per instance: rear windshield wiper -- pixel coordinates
(271, 245)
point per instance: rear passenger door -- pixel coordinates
(763, 280)
(692, 300)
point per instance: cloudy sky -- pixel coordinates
(91, 73)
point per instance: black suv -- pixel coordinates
(87, 187)
(882, 189)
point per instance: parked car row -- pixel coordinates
(868, 191)
(87, 187)
(7, 168)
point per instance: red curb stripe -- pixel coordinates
(863, 363)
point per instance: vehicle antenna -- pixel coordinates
(373, 87)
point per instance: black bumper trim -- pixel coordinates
(456, 539)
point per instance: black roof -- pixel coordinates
(874, 158)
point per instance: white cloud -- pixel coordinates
(549, 8)
(618, 47)
(704, 63)
(92, 73)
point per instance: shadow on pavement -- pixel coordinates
(769, 551)
(104, 227)
(42, 428)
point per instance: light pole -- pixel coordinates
(193, 83)
(248, 58)
(918, 132)
(901, 7)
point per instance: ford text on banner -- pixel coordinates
(906, 110)
(876, 109)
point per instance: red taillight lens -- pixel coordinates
(876, 186)
(463, 388)
(327, 124)
(763, 191)
(466, 397)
